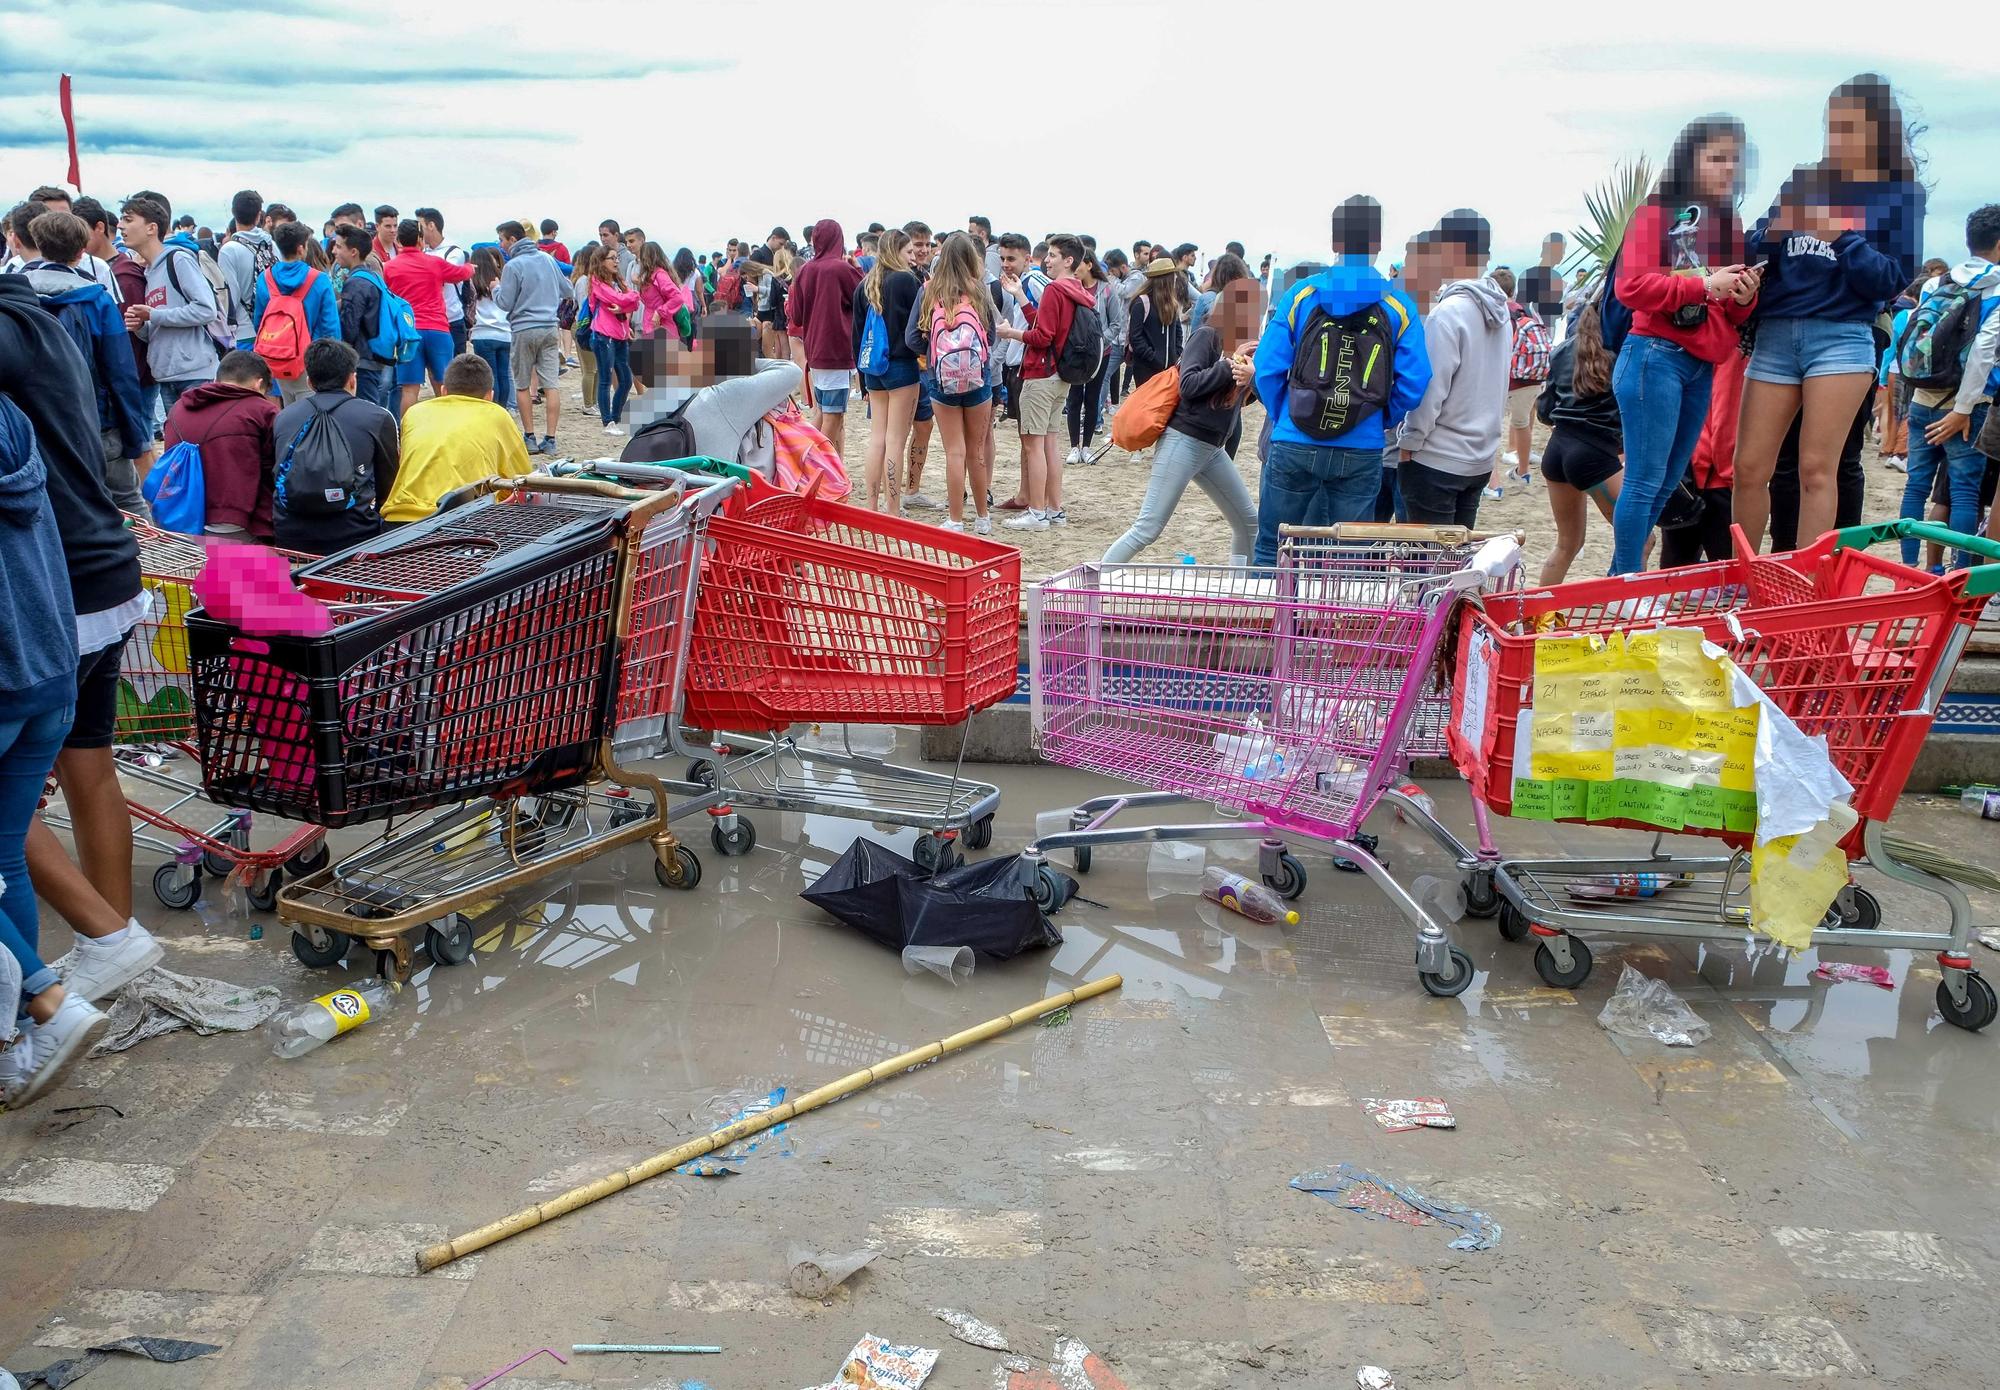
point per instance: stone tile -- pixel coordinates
(335, 1332)
(1282, 1272)
(1896, 1257)
(958, 1234)
(85, 1182)
(301, 1112)
(1785, 1345)
(94, 1316)
(387, 1250)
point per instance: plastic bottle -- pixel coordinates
(1421, 797)
(303, 1027)
(1982, 801)
(1239, 894)
(1246, 749)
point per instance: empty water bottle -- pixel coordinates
(1981, 800)
(303, 1027)
(1418, 795)
(1239, 894)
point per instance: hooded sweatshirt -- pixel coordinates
(238, 259)
(1048, 326)
(531, 289)
(822, 301)
(44, 374)
(322, 305)
(1978, 383)
(231, 425)
(178, 344)
(900, 292)
(1456, 427)
(37, 626)
(85, 309)
(1337, 291)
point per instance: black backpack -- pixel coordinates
(316, 474)
(663, 441)
(1083, 350)
(1343, 369)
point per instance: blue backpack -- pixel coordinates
(396, 339)
(175, 491)
(1612, 315)
(873, 358)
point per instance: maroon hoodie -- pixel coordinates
(821, 303)
(1048, 326)
(231, 425)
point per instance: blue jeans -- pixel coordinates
(378, 386)
(1964, 469)
(1314, 485)
(614, 357)
(1178, 460)
(1662, 392)
(28, 749)
(498, 355)
(1109, 376)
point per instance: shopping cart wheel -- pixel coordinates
(452, 945)
(1290, 881)
(320, 947)
(1081, 856)
(1980, 1004)
(934, 855)
(308, 861)
(732, 843)
(686, 873)
(701, 772)
(263, 891)
(1365, 841)
(172, 890)
(1446, 986)
(627, 811)
(1513, 924)
(1855, 909)
(1579, 964)
(979, 834)
(1047, 889)
(1482, 899)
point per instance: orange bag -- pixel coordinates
(1142, 419)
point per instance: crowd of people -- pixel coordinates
(1710, 373)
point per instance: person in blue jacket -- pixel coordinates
(1319, 482)
(1843, 239)
(322, 305)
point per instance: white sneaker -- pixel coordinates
(1492, 494)
(1032, 519)
(58, 1046)
(613, 429)
(98, 969)
(1901, 465)
(1058, 517)
(1075, 455)
(982, 526)
(1511, 459)
(957, 526)
(922, 502)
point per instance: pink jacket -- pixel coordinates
(663, 299)
(611, 310)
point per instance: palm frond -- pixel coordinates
(1609, 208)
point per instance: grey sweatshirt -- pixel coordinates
(238, 259)
(530, 289)
(1456, 427)
(724, 416)
(178, 347)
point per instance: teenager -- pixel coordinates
(454, 439)
(1844, 236)
(960, 343)
(292, 276)
(1083, 407)
(532, 291)
(369, 432)
(1448, 441)
(249, 252)
(1117, 309)
(1689, 296)
(455, 301)
(422, 280)
(1515, 464)
(1582, 465)
(492, 337)
(1217, 376)
(175, 317)
(1541, 289)
(720, 387)
(1159, 322)
(661, 296)
(387, 221)
(1945, 419)
(613, 304)
(822, 308)
(1042, 391)
(888, 366)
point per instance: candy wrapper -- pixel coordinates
(876, 1365)
(1424, 1112)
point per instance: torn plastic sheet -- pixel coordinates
(984, 905)
(877, 1365)
(60, 1373)
(1643, 1007)
(972, 1331)
(165, 1001)
(1839, 970)
(817, 1273)
(1378, 1199)
(1423, 1112)
(737, 1105)
(952, 964)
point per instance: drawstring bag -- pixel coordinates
(176, 492)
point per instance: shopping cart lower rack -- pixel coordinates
(1289, 693)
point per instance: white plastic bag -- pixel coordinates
(1643, 1007)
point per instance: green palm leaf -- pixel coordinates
(1609, 208)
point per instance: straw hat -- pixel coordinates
(1159, 266)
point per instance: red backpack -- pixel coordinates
(284, 334)
(1529, 360)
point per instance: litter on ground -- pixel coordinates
(1378, 1199)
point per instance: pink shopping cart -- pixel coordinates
(1284, 695)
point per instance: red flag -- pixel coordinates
(69, 124)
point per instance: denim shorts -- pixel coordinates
(897, 373)
(1790, 350)
(965, 399)
(830, 402)
(926, 387)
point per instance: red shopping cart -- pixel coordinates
(1851, 647)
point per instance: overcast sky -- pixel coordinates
(1168, 120)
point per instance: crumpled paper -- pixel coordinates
(817, 1273)
(877, 1365)
(1839, 970)
(1378, 1199)
(971, 1330)
(1643, 1007)
(1423, 1112)
(165, 1001)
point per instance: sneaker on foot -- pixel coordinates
(982, 526)
(950, 525)
(1901, 465)
(613, 429)
(921, 501)
(1511, 459)
(59, 1045)
(549, 445)
(1492, 494)
(1030, 520)
(1058, 517)
(101, 968)
(1075, 454)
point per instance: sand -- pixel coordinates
(1102, 499)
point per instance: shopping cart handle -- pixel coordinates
(581, 487)
(1980, 581)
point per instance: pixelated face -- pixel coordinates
(919, 250)
(1715, 169)
(1850, 135)
(1013, 261)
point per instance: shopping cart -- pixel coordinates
(519, 578)
(155, 742)
(1851, 647)
(815, 612)
(1288, 693)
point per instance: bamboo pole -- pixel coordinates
(435, 1256)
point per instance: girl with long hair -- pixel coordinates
(1159, 321)
(889, 290)
(586, 343)
(491, 337)
(665, 301)
(957, 312)
(1844, 236)
(1681, 274)
(1083, 408)
(688, 275)
(1217, 377)
(1581, 461)
(612, 305)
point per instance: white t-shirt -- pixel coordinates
(454, 307)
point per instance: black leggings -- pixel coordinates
(1081, 408)
(1850, 483)
(1708, 538)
